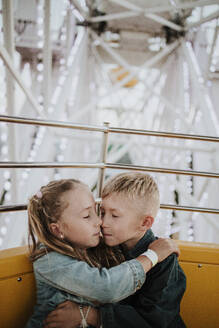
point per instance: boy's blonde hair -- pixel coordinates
(46, 207)
(139, 187)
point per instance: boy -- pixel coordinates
(130, 202)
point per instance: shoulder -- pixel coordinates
(53, 260)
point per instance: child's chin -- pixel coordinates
(109, 243)
(95, 243)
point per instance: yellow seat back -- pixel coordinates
(17, 287)
(199, 306)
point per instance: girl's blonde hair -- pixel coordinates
(46, 207)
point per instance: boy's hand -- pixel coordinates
(67, 315)
(164, 247)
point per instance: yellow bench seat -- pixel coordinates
(200, 304)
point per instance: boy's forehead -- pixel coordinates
(115, 200)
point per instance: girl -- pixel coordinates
(64, 233)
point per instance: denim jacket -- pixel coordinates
(157, 303)
(60, 278)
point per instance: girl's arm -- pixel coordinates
(78, 278)
(101, 285)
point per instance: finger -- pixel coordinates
(52, 316)
(64, 304)
(52, 325)
(52, 319)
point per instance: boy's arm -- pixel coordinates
(156, 304)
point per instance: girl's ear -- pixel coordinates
(55, 229)
(147, 222)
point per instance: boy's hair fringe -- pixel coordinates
(48, 208)
(137, 186)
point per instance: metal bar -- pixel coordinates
(103, 18)
(203, 20)
(23, 165)
(184, 5)
(8, 23)
(212, 47)
(161, 170)
(9, 64)
(135, 11)
(40, 165)
(164, 21)
(189, 208)
(69, 125)
(78, 6)
(57, 124)
(47, 56)
(127, 4)
(191, 4)
(163, 134)
(154, 17)
(208, 108)
(135, 72)
(23, 207)
(13, 208)
(103, 159)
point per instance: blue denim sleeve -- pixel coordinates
(78, 278)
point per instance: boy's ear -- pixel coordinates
(55, 229)
(147, 222)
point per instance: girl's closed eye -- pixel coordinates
(114, 216)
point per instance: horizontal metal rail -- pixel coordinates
(59, 124)
(86, 127)
(51, 123)
(45, 165)
(40, 165)
(13, 208)
(164, 134)
(189, 208)
(23, 207)
(162, 170)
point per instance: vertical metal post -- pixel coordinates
(216, 30)
(103, 159)
(70, 31)
(47, 55)
(8, 29)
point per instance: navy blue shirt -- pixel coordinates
(157, 303)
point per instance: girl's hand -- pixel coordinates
(164, 247)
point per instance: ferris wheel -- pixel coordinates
(141, 65)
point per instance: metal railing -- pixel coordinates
(106, 129)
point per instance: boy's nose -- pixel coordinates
(104, 223)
